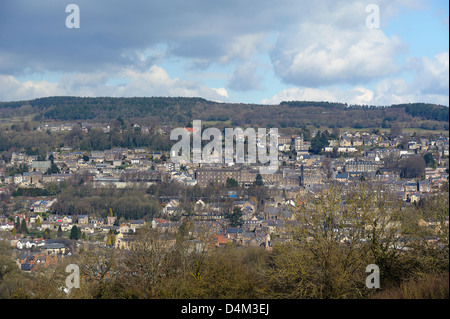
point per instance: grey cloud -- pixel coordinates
(246, 78)
(33, 33)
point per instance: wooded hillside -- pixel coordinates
(181, 110)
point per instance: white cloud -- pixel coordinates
(154, 81)
(433, 74)
(323, 54)
(12, 90)
(222, 92)
(356, 95)
(429, 85)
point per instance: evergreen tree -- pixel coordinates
(75, 233)
(429, 160)
(235, 218)
(53, 169)
(59, 234)
(23, 227)
(319, 142)
(231, 183)
(258, 180)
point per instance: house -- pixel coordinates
(87, 229)
(273, 212)
(9, 180)
(234, 233)
(124, 229)
(199, 206)
(67, 220)
(110, 220)
(3, 218)
(171, 207)
(424, 186)
(26, 179)
(157, 222)
(345, 142)
(42, 206)
(40, 166)
(411, 186)
(25, 244)
(36, 178)
(17, 179)
(252, 223)
(342, 177)
(157, 155)
(249, 205)
(358, 142)
(284, 147)
(33, 218)
(66, 227)
(96, 220)
(26, 267)
(123, 241)
(413, 197)
(46, 225)
(134, 224)
(345, 149)
(284, 139)
(83, 219)
(361, 166)
(18, 158)
(54, 248)
(220, 239)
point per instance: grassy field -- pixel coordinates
(408, 130)
(217, 123)
(9, 121)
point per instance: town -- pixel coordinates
(234, 203)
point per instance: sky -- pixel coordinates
(240, 51)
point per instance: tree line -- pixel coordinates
(179, 111)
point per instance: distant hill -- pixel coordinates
(426, 111)
(182, 110)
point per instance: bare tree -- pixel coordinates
(338, 232)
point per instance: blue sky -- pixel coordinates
(227, 50)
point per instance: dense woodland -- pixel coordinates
(34, 142)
